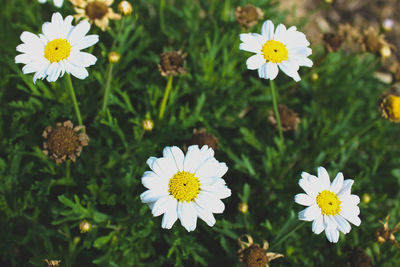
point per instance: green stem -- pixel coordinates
(162, 23)
(276, 242)
(165, 98)
(73, 97)
(68, 172)
(275, 103)
(108, 83)
(356, 136)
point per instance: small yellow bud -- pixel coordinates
(77, 239)
(85, 226)
(366, 198)
(125, 8)
(385, 51)
(328, 1)
(314, 76)
(243, 207)
(148, 125)
(381, 239)
(113, 57)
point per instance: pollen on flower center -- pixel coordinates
(275, 51)
(391, 108)
(184, 186)
(96, 10)
(328, 202)
(57, 50)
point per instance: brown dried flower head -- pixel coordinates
(394, 69)
(171, 63)
(64, 141)
(125, 8)
(252, 255)
(248, 15)
(52, 263)
(98, 12)
(358, 258)
(375, 43)
(289, 118)
(386, 234)
(389, 105)
(332, 41)
(201, 137)
(351, 37)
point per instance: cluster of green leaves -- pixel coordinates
(41, 206)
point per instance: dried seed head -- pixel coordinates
(386, 234)
(148, 125)
(113, 57)
(125, 8)
(64, 141)
(390, 106)
(289, 118)
(171, 63)
(332, 41)
(252, 255)
(52, 263)
(85, 226)
(358, 258)
(248, 15)
(96, 10)
(201, 137)
(375, 43)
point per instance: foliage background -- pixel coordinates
(41, 208)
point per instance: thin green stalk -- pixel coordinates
(165, 98)
(68, 172)
(355, 136)
(275, 103)
(108, 83)
(73, 97)
(281, 238)
(162, 8)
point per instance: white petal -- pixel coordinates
(290, 69)
(53, 72)
(152, 196)
(350, 200)
(187, 215)
(195, 157)
(254, 62)
(324, 178)
(346, 188)
(342, 224)
(176, 154)
(309, 213)
(280, 33)
(170, 215)
(210, 202)
(337, 183)
(332, 234)
(218, 189)
(58, 3)
(267, 30)
(78, 72)
(87, 41)
(304, 199)
(262, 71)
(222, 169)
(77, 33)
(151, 180)
(161, 205)
(351, 214)
(311, 185)
(250, 43)
(272, 70)
(205, 215)
(82, 59)
(318, 224)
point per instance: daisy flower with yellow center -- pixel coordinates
(98, 12)
(331, 206)
(57, 50)
(284, 48)
(185, 187)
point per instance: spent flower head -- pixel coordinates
(330, 205)
(201, 137)
(384, 233)
(52, 263)
(248, 15)
(64, 141)
(172, 63)
(289, 118)
(185, 187)
(358, 258)
(57, 50)
(253, 255)
(284, 48)
(98, 12)
(125, 8)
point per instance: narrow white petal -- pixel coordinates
(290, 69)
(176, 154)
(58, 3)
(161, 205)
(187, 215)
(250, 43)
(332, 234)
(78, 72)
(205, 215)
(346, 188)
(151, 196)
(272, 70)
(87, 41)
(280, 33)
(170, 215)
(254, 62)
(351, 216)
(309, 213)
(53, 72)
(337, 183)
(342, 224)
(195, 157)
(304, 199)
(350, 200)
(318, 224)
(210, 202)
(324, 178)
(262, 71)
(77, 33)
(267, 30)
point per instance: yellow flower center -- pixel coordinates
(184, 186)
(328, 202)
(391, 108)
(57, 50)
(275, 51)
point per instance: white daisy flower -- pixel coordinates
(285, 48)
(57, 3)
(185, 187)
(330, 205)
(57, 50)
